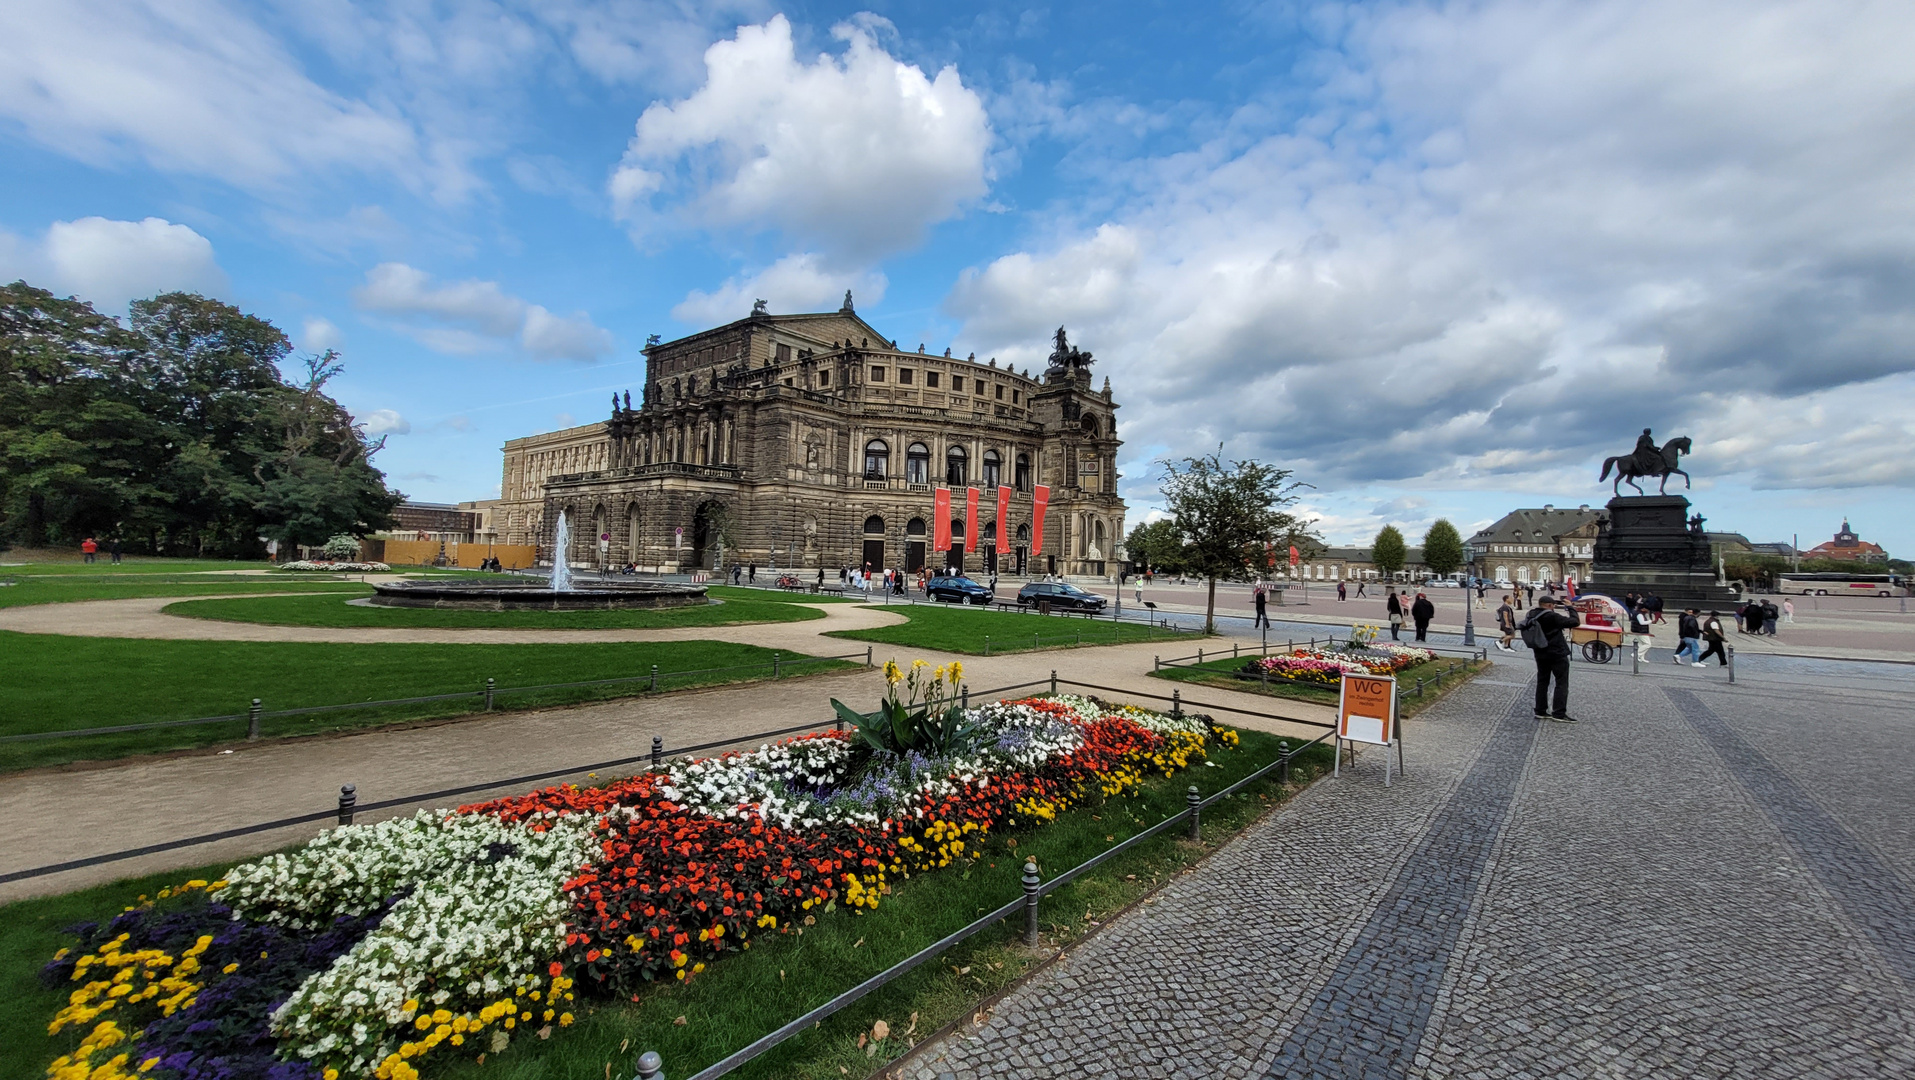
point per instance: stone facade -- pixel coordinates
(1533, 546)
(811, 441)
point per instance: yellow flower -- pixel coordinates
(957, 670)
(565, 1019)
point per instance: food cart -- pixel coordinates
(1603, 623)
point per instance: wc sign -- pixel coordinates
(1366, 713)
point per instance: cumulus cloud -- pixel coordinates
(1500, 238)
(800, 282)
(319, 334)
(853, 155)
(386, 422)
(111, 262)
(473, 316)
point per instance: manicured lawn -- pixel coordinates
(65, 588)
(34, 564)
(751, 993)
(333, 611)
(1222, 673)
(55, 683)
(994, 633)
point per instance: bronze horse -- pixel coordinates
(1663, 463)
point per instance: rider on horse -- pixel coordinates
(1648, 454)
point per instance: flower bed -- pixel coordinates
(338, 567)
(374, 947)
(1326, 668)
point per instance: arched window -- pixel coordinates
(874, 526)
(1023, 473)
(990, 532)
(914, 527)
(877, 458)
(917, 464)
(1023, 534)
(992, 469)
(955, 473)
(957, 528)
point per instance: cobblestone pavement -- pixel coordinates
(1700, 879)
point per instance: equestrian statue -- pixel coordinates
(1648, 459)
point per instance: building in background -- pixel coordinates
(1536, 546)
(810, 441)
(1846, 546)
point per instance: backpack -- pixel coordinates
(1534, 635)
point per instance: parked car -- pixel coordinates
(957, 589)
(1062, 597)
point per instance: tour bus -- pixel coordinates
(1841, 584)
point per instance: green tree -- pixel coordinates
(1228, 516)
(1156, 546)
(1442, 548)
(1387, 552)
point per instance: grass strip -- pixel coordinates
(56, 683)
(334, 611)
(995, 633)
(1222, 674)
(783, 976)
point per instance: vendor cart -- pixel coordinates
(1600, 634)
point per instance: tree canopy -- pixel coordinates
(1229, 516)
(1156, 546)
(1442, 548)
(175, 431)
(1387, 552)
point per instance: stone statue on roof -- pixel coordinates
(1067, 357)
(847, 308)
(758, 307)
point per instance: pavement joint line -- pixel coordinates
(1376, 1006)
(1875, 897)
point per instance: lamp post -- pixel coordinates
(1469, 607)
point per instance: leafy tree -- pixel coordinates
(1228, 515)
(1156, 546)
(1442, 548)
(175, 432)
(1387, 552)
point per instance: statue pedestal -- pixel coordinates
(1646, 546)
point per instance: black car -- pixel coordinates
(957, 590)
(1060, 596)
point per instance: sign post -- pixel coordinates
(1366, 713)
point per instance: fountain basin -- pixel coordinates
(510, 596)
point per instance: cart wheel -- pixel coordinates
(1597, 652)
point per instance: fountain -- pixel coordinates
(559, 593)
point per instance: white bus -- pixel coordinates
(1841, 584)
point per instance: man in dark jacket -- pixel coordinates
(1689, 629)
(1421, 613)
(1552, 657)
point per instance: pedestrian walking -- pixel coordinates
(1543, 632)
(1714, 635)
(1359, 590)
(821, 578)
(1421, 613)
(88, 549)
(1506, 622)
(1689, 629)
(1642, 629)
(1263, 614)
(116, 551)
(751, 575)
(1788, 610)
(737, 573)
(1138, 584)
(1654, 604)
(1394, 607)
(1343, 592)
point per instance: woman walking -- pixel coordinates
(1394, 606)
(1713, 634)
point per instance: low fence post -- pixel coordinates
(867, 656)
(1200, 656)
(491, 685)
(348, 798)
(774, 665)
(1731, 664)
(1177, 704)
(965, 700)
(1157, 663)
(650, 1066)
(1635, 661)
(1053, 682)
(654, 676)
(1195, 803)
(987, 644)
(1283, 761)
(1031, 883)
(658, 753)
(252, 721)
(1419, 686)
(1034, 639)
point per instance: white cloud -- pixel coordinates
(386, 422)
(473, 316)
(111, 262)
(1503, 237)
(319, 334)
(855, 155)
(794, 283)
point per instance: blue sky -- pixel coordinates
(1438, 258)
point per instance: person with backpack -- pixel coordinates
(1770, 615)
(1506, 622)
(1712, 633)
(1689, 629)
(1394, 606)
(1543, 632)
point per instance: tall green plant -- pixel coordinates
(1443, 548)
(927, 719)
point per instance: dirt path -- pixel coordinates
(57, 816)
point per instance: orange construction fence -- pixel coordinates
(464, 556)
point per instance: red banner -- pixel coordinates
(941, 523)
(1004, 531)
(1293, 555)
(972, 534)
(1040, 502)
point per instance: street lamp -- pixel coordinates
(1469, 607)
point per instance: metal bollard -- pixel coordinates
(1053, 682)
(774, 665)
(1732, 665)
(1195, 803)
(252, 721)
(1233, 650)
(867, 656)
(966, 696)
(1080, 637)
(1200, 656)
(650, 1066)
(1635, 662)
(654, 676)
(1156, 663)
(348, 798)
(987, 644)
(1177, 704)
(1033, 639)
(1419, 686)
(658, 753)
(491, 685)
(1283, 761)
(1031, 883)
